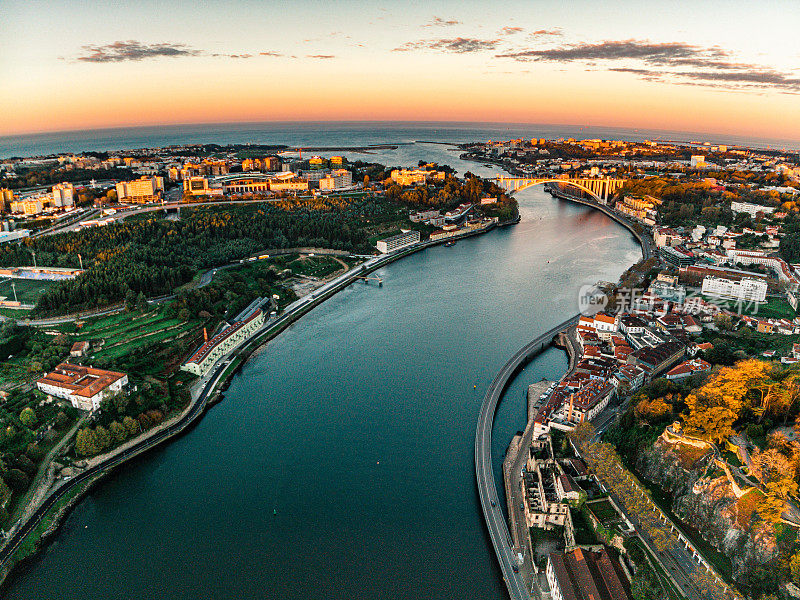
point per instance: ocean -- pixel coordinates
(340, 134)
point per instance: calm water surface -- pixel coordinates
(357, 426)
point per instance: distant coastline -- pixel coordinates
(336, 133)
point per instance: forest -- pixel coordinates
(155, 256)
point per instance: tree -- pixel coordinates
(103, 437)
(131, 426)
(17, 480)
(118, 432)
(28, 417)
(86, 442)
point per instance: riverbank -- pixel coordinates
(208, 394)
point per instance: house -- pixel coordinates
(84, 387)
(688, 368)
(567, 489)
(585, 575)
(79, 349)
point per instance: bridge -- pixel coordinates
(600, 188)
(487, 488)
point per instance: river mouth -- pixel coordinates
(340, 463)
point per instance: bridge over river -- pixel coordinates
(600, 188)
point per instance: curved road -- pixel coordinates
(487, 488)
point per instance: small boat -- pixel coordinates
(274, 511)
(450, 243)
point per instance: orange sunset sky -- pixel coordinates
(710, 67)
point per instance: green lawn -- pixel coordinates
(777, 308)
(28, 290)
(315, 266)
(603, 510)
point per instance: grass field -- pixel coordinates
(603, 510)
(125, 332)
(776, 308)
(28, 290)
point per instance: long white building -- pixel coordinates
(746, 290)
(395, 242)
(211, 351)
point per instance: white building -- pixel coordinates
(144, 189)
(698, 161)
(212, 350)
(84, 387)
(337, 180)
(751, 209)
(395, 242)
(746, 290)
(63, 194)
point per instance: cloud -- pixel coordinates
(556, 31)
(457, 45)
(736, 79)
(673, 62)
(650, 52)
(321, 56)
(440, 22)
(218, 55)
(132, 50)
(510, 30)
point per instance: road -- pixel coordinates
(487, 488)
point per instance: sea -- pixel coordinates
(342, 134)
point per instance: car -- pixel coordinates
(515, 568)
(494, 503)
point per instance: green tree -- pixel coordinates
(118, 432)
(86, 442)
(131, 426)
(28, 417)
(103, 437)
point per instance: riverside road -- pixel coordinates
(487, 487)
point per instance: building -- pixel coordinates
(697, 161)
(677, 257)
(6, 197)
(79, 349)
(401, 240)
(779, 266)
(406, 177)
(141, 191)
(268, 163)
(84, 387)
(751, 209)
(744, 290)
(63, 195)
(688, 368)
(586, 575)
(198, 185)
(30, 206)
(206, 356)
(337, 180)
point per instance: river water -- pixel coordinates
(356, 425)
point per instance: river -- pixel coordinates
(356, 425)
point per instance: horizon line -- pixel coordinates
(55, 132)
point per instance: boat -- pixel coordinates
(450, 243)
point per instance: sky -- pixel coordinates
(704, 66)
